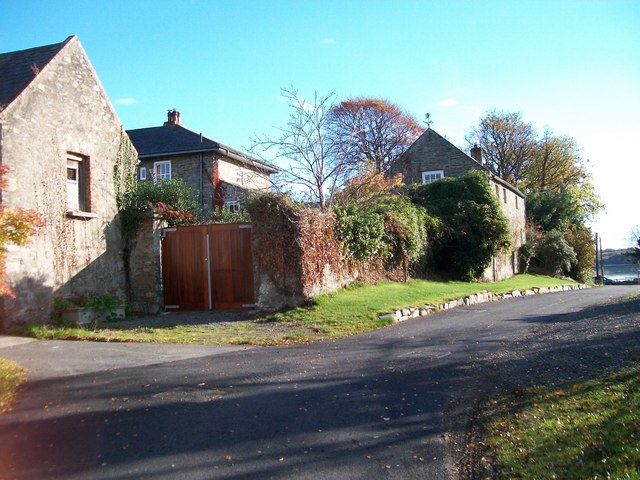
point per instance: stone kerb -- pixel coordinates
(473, 299)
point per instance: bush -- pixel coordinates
(390, 227)
(582, 242)
(470, 227)
(361, 231)
(555, 254)
(226, 215)
(172, 199)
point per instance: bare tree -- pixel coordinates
(369, 133)
(303, 149)
(508, 144)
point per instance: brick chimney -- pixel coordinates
(173, 117)
(476, 153)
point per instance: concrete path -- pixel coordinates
(370, 406)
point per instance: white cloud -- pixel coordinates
(327, 41)
(126, 101)
(447, 102)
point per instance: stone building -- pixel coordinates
(60, 137)
(432, 157)
(218, 174)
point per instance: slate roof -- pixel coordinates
(18, 69)
(174, 139)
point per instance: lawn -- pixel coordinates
(11, 376)
(347, 312)
(585, 430)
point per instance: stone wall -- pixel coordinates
(64, 110)
(297, 257)
(146, 294)
(507, 263)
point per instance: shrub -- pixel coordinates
(405, 228)
(389, 226)
(226, 215)
(582, 243)
(470, 227)
(172, 199)
(555, 254)
(362, 232)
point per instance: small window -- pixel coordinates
(504, 194)
(233, 206)
(162, 170)
(428, 177)
(143, 173)
(77, 183)
(516, 197)
(498, 192)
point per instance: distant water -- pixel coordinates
(621, 271)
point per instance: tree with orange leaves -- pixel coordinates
(369, 133)
(16, 227)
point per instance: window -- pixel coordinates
(233, 206)
(498, 192)
(77, 183)
(162, 170)
(504, 194)
(428, 177)
(143, 173)
(516, 197)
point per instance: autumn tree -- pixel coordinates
(369, 133)
(303, 150)
(550, 166)
(366, 188)
(16, 228)
(508, 144)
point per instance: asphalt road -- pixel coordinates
(366, 407)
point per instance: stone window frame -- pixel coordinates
(78, 185)
(436, 174)
(163, 176)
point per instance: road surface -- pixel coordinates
(377, 405)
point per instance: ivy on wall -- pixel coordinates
(124, 170)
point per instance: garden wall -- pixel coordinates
(297, 256)
(145, 268)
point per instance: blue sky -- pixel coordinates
(573, 66)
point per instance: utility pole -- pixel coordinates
(601, 261)
(597, 264)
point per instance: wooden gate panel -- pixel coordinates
(208, 266)
(184, 268)
(231, 266)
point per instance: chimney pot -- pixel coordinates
(173, 117)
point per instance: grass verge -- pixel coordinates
(347, 312)
(589, 429)
(11, 376)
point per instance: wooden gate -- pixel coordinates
(208, 267)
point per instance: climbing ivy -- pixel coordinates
(124, 171)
